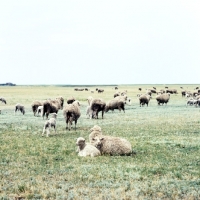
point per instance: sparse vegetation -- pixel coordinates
(165, 139)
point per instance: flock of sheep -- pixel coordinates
(99, 144)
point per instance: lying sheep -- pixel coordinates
(95, 131)
(144, 99)
(107, 144)
(39, 110)
(71, 113)
(163, 98)
(50, 123)
(35, 105)
(112, 145)
(86, 149)
(52, 106)
(2, 100)
(19, 107)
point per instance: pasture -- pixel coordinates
(165, 139)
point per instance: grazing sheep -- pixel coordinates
(140, 89)
(39, 110)
(86, 89)
(163, 98)
(50, 123)
(116, 103)
(116, 88)
(191, 102)
(144, 99)
(151, 90)
(112, 145)
(70, 100)
(86, 149)
(188, 94)
(172, 91)
(183, 93)
(116, 94)
(100, 90)
(52, 106)
(89, 99)
(35, 105)
(98, 105)
(19, 107)
(71, 113)
(90, 113)
(154, 88)
(2, 100)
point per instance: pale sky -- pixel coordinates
(100, 42)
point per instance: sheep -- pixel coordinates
(92, 91)
(100, 90)
(163, 98)
(144, 99)
(51, 106)
(151, 90)
(139, 89)
(19, 107)
(50, 123)
(95, 131)
(86, 89)
(39, 110)
(89, 99)
(188, 94)
(86, 149)
(35, 105)
(115, 104)
(111, 145)
(116, 94)
(183, 93)
(98, 105)
(70, 100)
(90, 113)
(172, 91)
(116, 88)
(191, 102)
(71, 113)
(2, 100)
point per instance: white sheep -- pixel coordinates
(86, 149)
(39, 111)
(50, 123)
(90, 113)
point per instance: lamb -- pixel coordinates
(163, 98)
(86, 149)
(89, 99)
(52, 106)
(39, 110)
(19, 107)
(112, 145)
(35, 105)
(98, 105)
(50, 123)
(71, 113)
(116, 103)
(70, 100)
(90, 113)
(144, 99)
(192, 102)
(2, 100)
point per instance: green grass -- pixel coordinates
(166, 140)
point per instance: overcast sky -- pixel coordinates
(100, 42)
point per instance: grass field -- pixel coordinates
(166, 140)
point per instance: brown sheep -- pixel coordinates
(144, 99)
(98, 105)
(52, 106)
(163, 98)
(35, 106)
(71, 113)
(70, 100)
